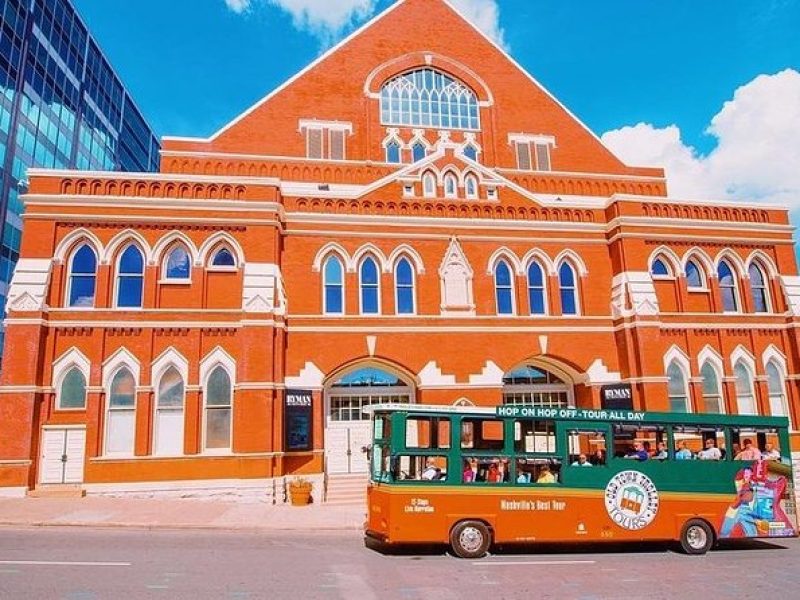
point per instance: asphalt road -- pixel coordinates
(81, 564)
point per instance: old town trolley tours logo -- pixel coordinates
(632, 500)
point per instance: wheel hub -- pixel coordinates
(697, 537)
(471, 539)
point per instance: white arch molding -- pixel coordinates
(71, 241)
(167, 242)
(122, 240)
(219, 239)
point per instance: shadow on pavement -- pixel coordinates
(551, 549)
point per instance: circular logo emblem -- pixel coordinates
(631, 500)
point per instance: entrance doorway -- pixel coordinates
(347, 430)
(531, 385)
(62, 456)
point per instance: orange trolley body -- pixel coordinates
(436, 493)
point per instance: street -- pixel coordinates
(82, 564)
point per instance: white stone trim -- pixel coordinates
(309, 378)
(263, 289)
(169, 358)
(431, 376)
(29, 285)
(119, 359)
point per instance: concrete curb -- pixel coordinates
(179, 527)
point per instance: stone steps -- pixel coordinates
(347, 490)
(57, 491)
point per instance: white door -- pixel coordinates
(344, 448)
(63, 453)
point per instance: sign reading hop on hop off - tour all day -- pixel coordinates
(298, 419)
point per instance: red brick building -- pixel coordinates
(413, 217)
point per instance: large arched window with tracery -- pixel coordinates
(429, 98)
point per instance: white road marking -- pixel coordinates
(492, 563)
(64, 563)
(157, 587)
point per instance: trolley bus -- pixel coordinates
(472, 477)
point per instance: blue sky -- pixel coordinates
(669, 66)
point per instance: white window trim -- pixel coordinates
(69, 278)
(361, 286)
(60, 384)
(512, 274)
(720, 376)
(686, 387)
(343, 265)
(207, 375)
(450, 176)
(157, 389)
(528, 286)
(165, 279)
(108, 410)
(429, 176)
(477, 194)
(413, 288)
(751, 376)
(576, 288)
(118, 276)
(703, 287)
(767, 292)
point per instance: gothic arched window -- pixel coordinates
(758, 287)
(429, 98)
(727, 287)
(130, 278)
(82, 278)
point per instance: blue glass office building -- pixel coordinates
(61, 106)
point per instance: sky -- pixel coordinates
(708, 89)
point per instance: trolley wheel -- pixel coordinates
(697, 537)
(470, 539)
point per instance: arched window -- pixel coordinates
(471, 187)
(130, 278)
(404, 281)
(431, 99)
(353, 392)
(660, 268)
(677, 389)
(168, 428)
(778, 406)
(429, 185)
(72, 393)
(450, 186)
(333, 275)
(223, 258)
(695, 277)
(82, 278)
(530, 385)
(370, 287)
(218, 410)
(569, 290)
(471, 152)
(758, 287)
(712, 393)
(536, 289)
(504, 288)
(419, 151)
(178, 264)
(121, 414)
(393, 153)
(727, 286)
(745, 395)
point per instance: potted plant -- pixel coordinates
(300, 492)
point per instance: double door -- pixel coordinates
(62, 456)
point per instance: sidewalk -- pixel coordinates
(176, 514)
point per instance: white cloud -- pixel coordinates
(757, 157)
(485, 14)
(238, 6)
(328, 18)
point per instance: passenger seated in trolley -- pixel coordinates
(638, 452)
(546, 475)
(471, 473)
(749, 452)
(582, 461)
(431, 472)
(683, 452)
(710, 452)
(661, 452)
(771, 452)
